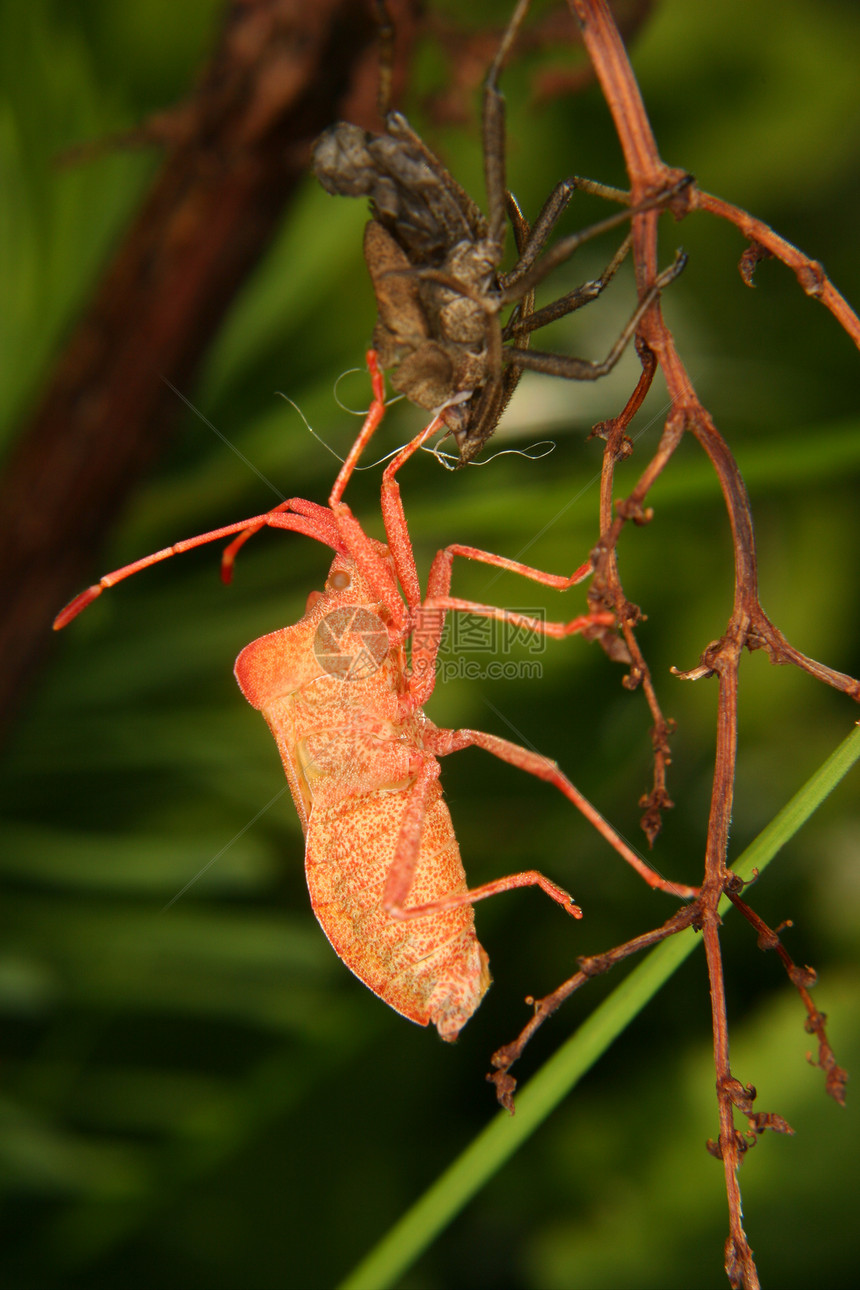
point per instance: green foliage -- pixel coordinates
(201, 1095)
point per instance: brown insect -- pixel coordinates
(345, 706)
(435, 263)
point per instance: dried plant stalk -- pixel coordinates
(748, 626)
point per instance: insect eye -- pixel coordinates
(340, 581)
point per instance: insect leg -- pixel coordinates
(521, 325)
(371, 423)
(448, 741)
(494, 128)
(430, 621)
(580, 369)
(439, 581)
(522, 279)
(403, 866)
(515, 328)
(353, 539)
(431, 616)
(385, 33)
(551, 211)
(393, 515)
(397, 533)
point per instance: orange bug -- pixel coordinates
(346, 709)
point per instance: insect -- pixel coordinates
(345, 706)
(435, 264)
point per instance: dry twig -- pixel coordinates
(748, 627)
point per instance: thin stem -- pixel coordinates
(740, 1266)
(809, 273)
(748, 626)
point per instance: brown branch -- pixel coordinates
(764, 242)
(740, 1265)
(645, 168)
(802, 978)
(606, 591)
(280, 72)
(594, 965)
(608, 56)
(748, 626)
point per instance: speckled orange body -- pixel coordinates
(352, 749)
(383, 867)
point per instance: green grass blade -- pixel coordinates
(411, 1235)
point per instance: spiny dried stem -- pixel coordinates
(803, 979)
(606, 589)
(743, 1096)
(591, 966)
(748, 627)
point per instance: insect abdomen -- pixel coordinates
(430, 969)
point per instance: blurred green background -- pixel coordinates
(203, 1096)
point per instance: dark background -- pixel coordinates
(203, 1096)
